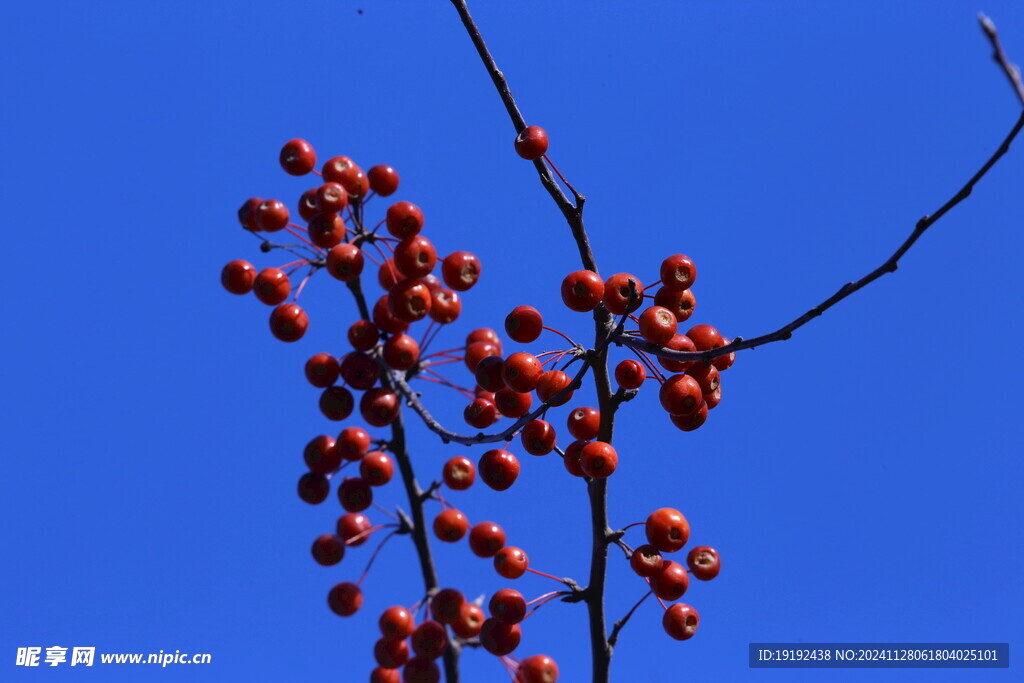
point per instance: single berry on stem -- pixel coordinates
(532, 143)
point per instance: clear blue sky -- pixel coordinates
(862, 480)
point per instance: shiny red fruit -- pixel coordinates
(521, 372)
(537, 669)
(376, 468)
(328, 550)
(429, 640)
(460, 270)
(379, 407)
(445, 306)
(551, 384)
(671, 581)
(694, 420)
(484, 334)
(646, 561)
(308, 205)
(247, 213)
(410, 300)
(390, 654)
(345, 599)
(572, 458)
(314, 488)
(582, 290)
(401, 352)
(704, 562)
(481, 413)
(359, 370)
(679, 342)
(508, 606)
(352, 528)
(477, 351)
(271, 215)
(680, 303)
(680, 395)
(354, 494)
(471, 618)
(617, 293)
(678, 272)
(511, 562)
(538, 437)
(498, 469)
(486, 539)
(723, 363)
(288, 322)
(396, 623)
(658, 325)
(298, 157)
(322, 370)
(326, 230)
(385, 320)
(238, 277)
(705, 337)
(320, 455)
(532, 143)
(420, 670)
(383, 179)
(680, 621)
(512, 403)
(353, 443)
(524, 324)
(490, 373)
(500, 638)
(446, 605)
(450, 525)
(415, 256)
(630, 374)
(272, 286)
(331, 198)
(404, 219)
(336, 403)
(363, 335)
(667, 529)
(584, 422)
(598, 459)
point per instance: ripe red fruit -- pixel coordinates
(486, 539)
(415, 256)
(376, 468)
(598, 459)
(646, 561)
(331, 198)
(382, 675)
(713, 399)
(247, 213)
(538, 437)
(572, 458)
(379, 407)
(384, 319)
(481, 413)
(671, 582)
(363, 335)
(288, 322)
(679, 342)
(355, 495)
(320, 455)
(353, 443)
(521, 372)
(450, 525)
(429, 640)
(680, 395)
(308, 205)
(410, 300)
(508, 606)
(271, 215)
(396, 623)
(680, 303)
(489, 373)
(725, 362)
(336, 403)
(446, 605)
(322, 370)
(471, 618)
(630, 374)
(667, 529)
(459, 473)
(238, 277)
(359, 370)
(460, 270)
(298, 157)
(345, 262)
(695, 420)
(314, 488)
(532, 143)
(343, 170)
(345, 599)
(537, 669)
(445, 306)
(401, 352)
(705, 337)
(353, 525)
(658, 325)
(707, 377)
(500, 638)
(678, 272)
(549, 385)
(617, 293)
(680, 621)
(498, 469)
(477, 351)
(484, 334)
(511, 403)
(390, 654)
(404, 219)
(328, 550)
(272, 286)
(704, 562)
(511, 562)
(383, 179)
(584, 422)
(420, 670)
(326, 230)
(388, 274)
(524, 324)
(582, 290)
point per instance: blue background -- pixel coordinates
(862, 480)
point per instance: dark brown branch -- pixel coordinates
(614, 637)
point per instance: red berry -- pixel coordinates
(630, 374)
(247, 213)
(429, 640)
(538, 437)
(382, 675)
(671, 581)
(582, 290)
(584, 423)
(471, 618)
(679, 342)
(667, 530)
(500, 638)
(390, 654)
(646, 561)
(331, 198)
(511, 403)
(680, 621)
(617, 293)
(345, 262)
(537, 669)
(298, 157)
(484, 334)
(598, 459)
(695, 420)
(486, 539)
(383, 179)
(352, 528)
(320, 455)
(532, 143)
(363, 335)
(481, 413)
(572, 458)
(445, 306)
(354, 494)
(359, 370)
(658, 325)
(511, 562)
(376, 468)
(308, 205)
(345, 599)
(460, 270)
(508, 606)
(353, 443)
(328, 550)
(704, 562)
(336, 403)
(388, 275)
(680, 303)
(396, 623)
(384, 319)
(271, 215)
(313, 488)
(238, 277)
(707, 377)
(477, 351)
(379, 407)
(433, 283)
(446, 605)
(420, 670)
(410, 300)
(288, 322)
(725, 362)
(459, 473)
(551, 384)
(680, 395)
(272, 286)
(401, 352)
(343, 170)
(450, 525)
(524, 324)
(415, 256)
(714, 398)
(498, 469)
(521, 372)
(322, 370)
(678, 272)
(489, 373)
(326, 230)
(705, 337)
(404, 219)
